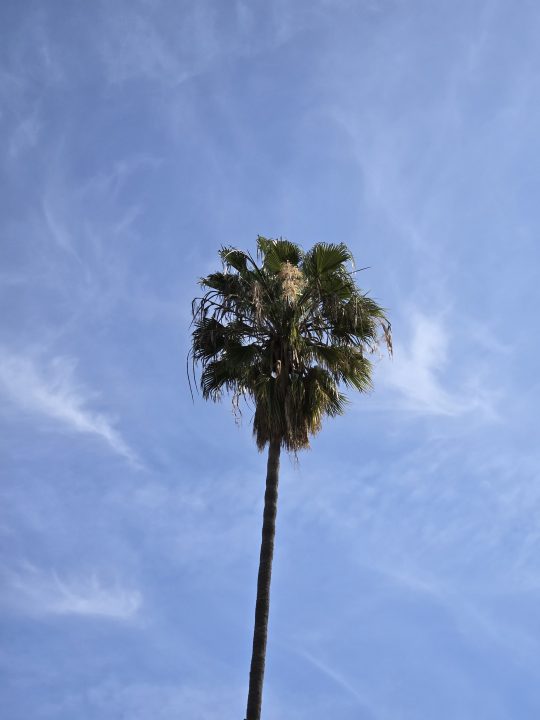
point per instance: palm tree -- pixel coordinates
(286, 331)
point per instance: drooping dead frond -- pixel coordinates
(387, 330)
(257, 299)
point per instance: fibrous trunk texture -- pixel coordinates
(262, 607)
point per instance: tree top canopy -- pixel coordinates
(287, 330)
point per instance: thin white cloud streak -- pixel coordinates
(110, 181)
(150, 51)
(339, 680)
(58, 232)
(76, 214)
(24, 137)
(470, 612)
(416, 374)
(52, 391)
(34, 591)
(139, 701)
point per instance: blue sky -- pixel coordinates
(137, 137)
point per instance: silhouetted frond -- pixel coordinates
(277, 252)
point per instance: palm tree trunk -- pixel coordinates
(262, 607)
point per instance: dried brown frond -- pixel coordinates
(257, 298)
(387, 330)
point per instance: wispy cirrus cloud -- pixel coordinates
(24, 136)
(38, 592)
(151, 52)
(161, 701)
(335, 676)
(195, 38)
(418, 374)
(51, 390)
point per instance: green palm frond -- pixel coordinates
(233, 258)
(326, 257)
(277, 252)
(209, 338)
(224, 283)
(217, 375)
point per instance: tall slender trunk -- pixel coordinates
(262, 607)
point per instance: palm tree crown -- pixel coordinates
(286, 330)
